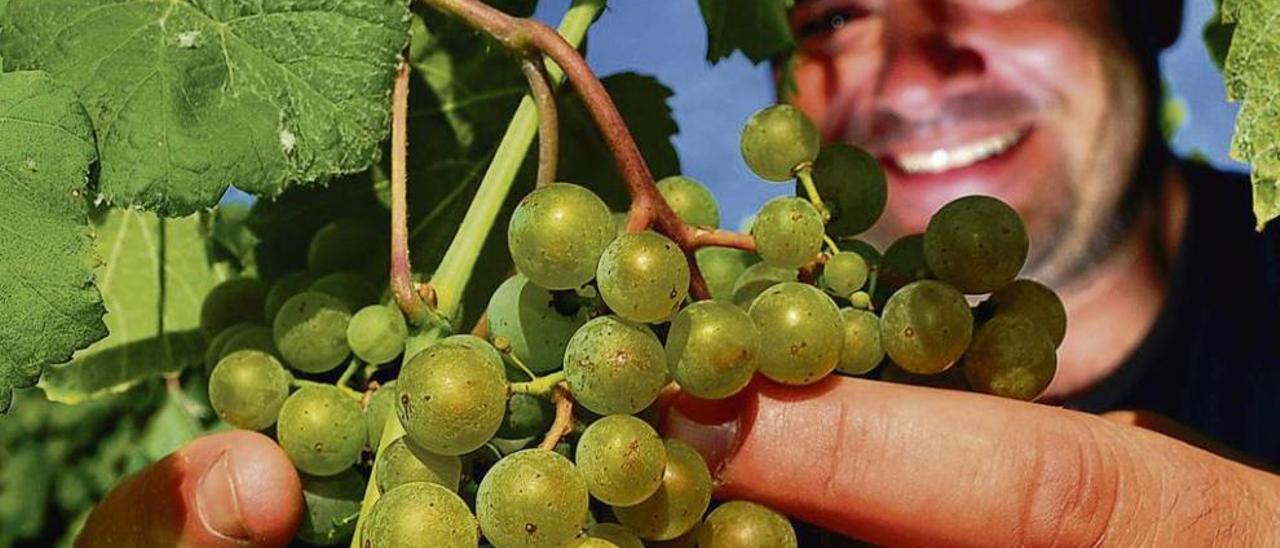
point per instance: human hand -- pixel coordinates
(230, 489)
(903, 465)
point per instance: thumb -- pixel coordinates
(229, 489)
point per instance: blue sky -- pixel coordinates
(665, 38)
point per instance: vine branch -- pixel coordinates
(564, 417)
(548, 118)
(402, 285)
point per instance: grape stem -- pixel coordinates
(415, 308)
(350, 371)
(805, 174)
(539, 386)
(564, 417)
(548, 118)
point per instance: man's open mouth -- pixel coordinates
(939, 160)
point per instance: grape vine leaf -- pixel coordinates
(47, 297)
(758, 28)
(190, 96)
(155, 277)
(1251, 79)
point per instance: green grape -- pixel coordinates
(231, 302)
(283, 289)
(643, 277)
(558, 233)
(801, 333)
(403, 462)
(247, 389)
(925, 327)
(868, 252)
(420, 514)
(741, 524)
(588, 542)
(492, 358)
(777, 140)
(852, 185)
(381, 404)
(951, 379)
(330, 507)
(757, 278)
(621, 458)
(788, 232)
(450, 399)
(619, 223)
(691, 201)
(213, 351)
(532, 499)
(860, 300)
(614, 366)
(349, 287)
(258, 337)
(976, 244)
(845, 273)
(344, 245)
(903, 263)
(678, 505)
(311, 332)
(620, 536)
(1010, 357)
(321, 429)
(376, 334)
(526, 417)
(527, 317)
(712, 348)
(862, 349)
(1035, 302)
(721, 267)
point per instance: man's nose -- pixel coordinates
(924, 63)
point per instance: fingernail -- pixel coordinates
(217, 502)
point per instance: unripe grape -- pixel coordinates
(527, 416)
(239, 300)
(615, 367)
(330, 507)
(712, 348)
(381, 404)
(788, 232)
(1010, 357)
(588, 542)
(777, 140)
(845, 273)
(247, 389)
(492, 358)
(1037, 303)
(678, 505)
(532, 499)
(620, 536)
(311, 332)
(801, 333)
(925, 327)
(976, 244)
(557, 234)
(621, 458)
(404, 462)
(450, 399)
(344, 245)
(376, 334)
(903, 263)
(757, 278)
(862, 350)
(283, 289)
(420, 514)
(742, 524)
(213, 351)
(349, 287)
(643, 277)
(321, 429)
(721, 267)
(525, 316)
(691, 201)
(853, 186)
(258, 337)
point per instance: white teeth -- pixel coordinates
(946, 159)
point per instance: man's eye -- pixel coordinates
(829, 22)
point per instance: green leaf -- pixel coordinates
(156, 276)
(190, 96)
(758, 28)
(1251, 79)
(47, 299)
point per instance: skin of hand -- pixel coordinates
(908, 466)
(229, 489)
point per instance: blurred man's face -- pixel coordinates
(1037, 102)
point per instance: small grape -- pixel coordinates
(801, 333)
(258, 337)
(643, 277)
(344, 245)
(691, 201)
(527, 317)
(1010, 357)
(741, 524)
(247, 389)
(712, 348)
(853, 186)
(868, 252)
(532, 499)
(526, 417)
(381, 403)
(903, 263)
(926, 326)
(403, 462)
(777, 140)
(679, 503)
(976, 244)
(420, 514)
(450, 399)
(621, 458)
(862, 349)
(788, 232)
(615, 367)
(492, 357)
(1037, 303)
(231, 302)
(845, 273)
(721, 267)
(311, 332)
(620, 536)
(757, 278)
(321, 429)
(558, 233)
(213, 351)
(377, 333)
(349, 287)
(331, 505)
(283, 289)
